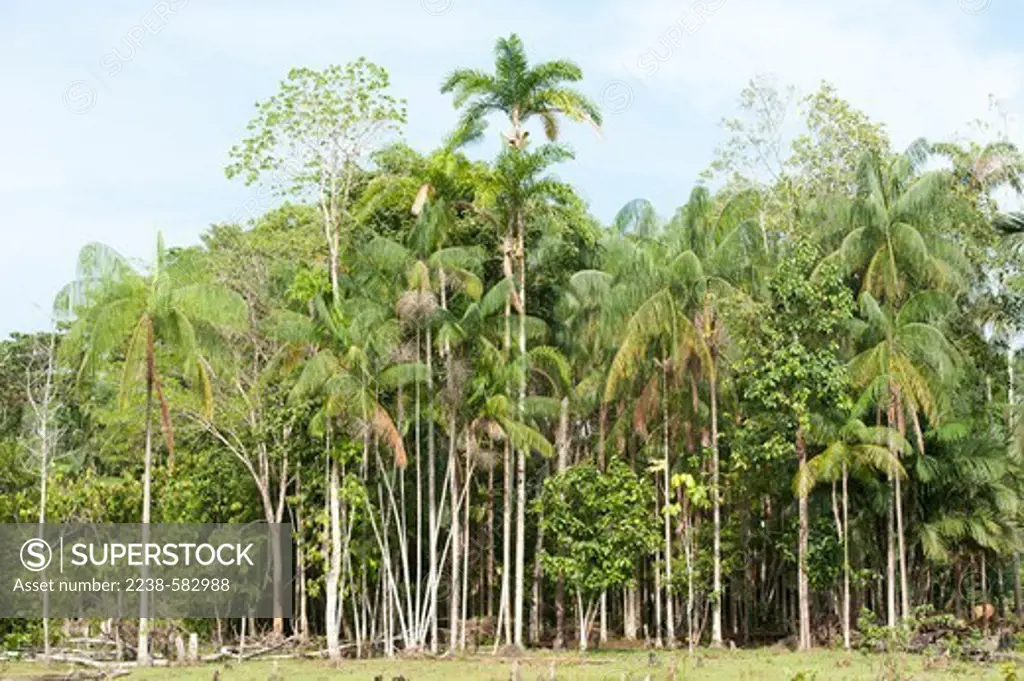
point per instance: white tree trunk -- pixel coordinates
(846, 561)
(716, 604)
(670, 619)
(803, 587)
(142, 655)
(333, 609)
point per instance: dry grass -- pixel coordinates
(753, 665)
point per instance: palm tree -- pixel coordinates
(147, 314)
(429, 266)
(849, 445)
(346, 339)
(980, 169)
(720, 251)
(707, 251)
(906, 359)
(889, 250)
(885, 243)
(520, 92)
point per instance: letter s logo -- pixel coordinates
(36, 555)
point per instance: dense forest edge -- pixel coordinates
(786, 412)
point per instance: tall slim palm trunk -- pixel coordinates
(670, 621)
(505, 607)
(904, 590)
(520, 452)
(453, 491)
(143, 650)
(716, 510)
(333, 606)
(897, 420)
(562, 450)
(803, 587)
(431, 497)
(456, 586)
(846, 561)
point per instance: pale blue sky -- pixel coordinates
(117, 116)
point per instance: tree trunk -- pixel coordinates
(433, 528)
(143, 650)
(456, 586)
(846, 561)
(562, 450)
(904, 591)
(333, 611)
(506, 564)
(520, 595)
(716, 610)
(300, 559)
(803, 591)
(584, 623)
(491, 566)
(536, 591)
(658, 642)
(670, 623)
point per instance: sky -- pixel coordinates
(117, 116)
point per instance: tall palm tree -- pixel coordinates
(980, 169)
(888, 247)
(519, 92)
(166, 310)
(346, 341)
(722, 249)
(433, 272)
(699, 256)
(886, 244)
(849, 446)
(906, 362)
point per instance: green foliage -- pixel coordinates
(790, 363)
(599, 525)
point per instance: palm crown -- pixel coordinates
(519, 91)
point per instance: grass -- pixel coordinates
(766, 664)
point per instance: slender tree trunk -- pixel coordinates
(890, 583)
(333, 609)
(562, 451)
(465, 558)
(846, 561)
(584, 622)
(690, 633)
(520, 544)
(506, 564)
(432, 496)
(142, 655)
(536, 587)
(658, 641)
(670, 622)
(300, 559)
(491, 564)
(520, 452)
(803, 590)
(904, 590)
(716, 611)
(415, 625)
(43, 408)
(453, 490)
